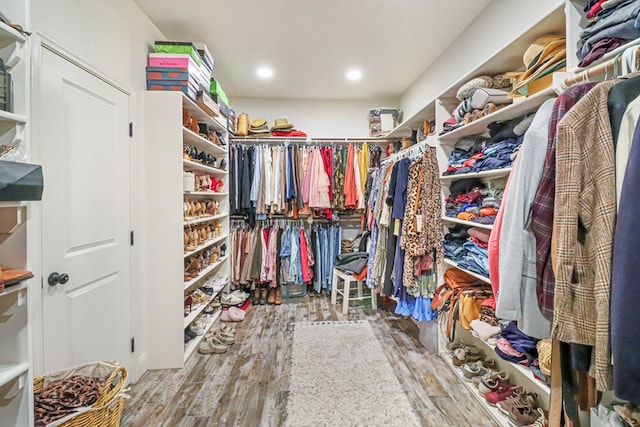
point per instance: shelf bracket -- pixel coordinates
(11, 389)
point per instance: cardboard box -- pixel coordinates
(177, 47)
(216, 89)
(167, 73)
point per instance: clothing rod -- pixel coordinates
(598, 70)
(416, 149)
(309, 140)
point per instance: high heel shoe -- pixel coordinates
(188, 303)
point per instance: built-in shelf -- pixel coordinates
(10, 34)
(416, 121)
(204, 194)
(8, 117)
(195, 221)
(200, 308)
(197, 167)
(202, 116)
(474, 274)
(517, 109)
(10, 372)
(192, 345)
(607, 56)
(192, 138)
(206, 245)
(467, 223)
(495, 413)
(484, 174)
(11, 289)
(205, 272)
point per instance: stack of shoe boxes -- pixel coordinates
(178, 66)
(6, 103)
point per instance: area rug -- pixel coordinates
(341, 377)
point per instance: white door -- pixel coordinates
(83, 145)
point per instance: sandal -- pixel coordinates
(212, 346)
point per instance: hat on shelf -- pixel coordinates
(282, 123)
(259, 126)
(546, 55)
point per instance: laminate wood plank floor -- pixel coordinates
(248, 385)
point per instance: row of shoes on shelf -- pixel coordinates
(195, 236)
(512, 400)
(198, 262)
(195, 299)
(191, 122)
(192, 154)
(202, 183)
(264, 295)
(199, 326)
(193, 209)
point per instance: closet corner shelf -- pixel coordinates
(467, 223)
(8, 33)
(204, 194)
(195, 110)
(193, 166)
(522, 369)
(206, 245)
(14, 288)
(6, 116)
(517, 109)
(205, 272)
(484, 174)
(501, 419)
(190, 137)
(10, 372)
(476, 275)
(204, 219)
(198, 310)
(192, 345)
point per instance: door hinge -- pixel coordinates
(131, 238)
(133, 345)
(130, 129)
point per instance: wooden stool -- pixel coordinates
(348, 279)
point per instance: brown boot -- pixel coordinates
(278, 297)
(263, 296)
(272, 296)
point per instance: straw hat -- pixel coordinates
(545, 55)
(282, 123)
(258, 123)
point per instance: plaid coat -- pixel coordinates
(584, 222)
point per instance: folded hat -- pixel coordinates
(282, 123)
(258, 123)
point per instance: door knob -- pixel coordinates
(55, 278)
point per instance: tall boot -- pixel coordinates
(278, 297)
(272, 296)
(263, 296)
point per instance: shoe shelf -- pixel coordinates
(517, 109)
(206, 245)
(192, 138)
(10, 372)
(492, 173)
(193, 166)
(199, 309)
(526, 372)
(195, 221)
(14, 288)
(192, 345)
(500, 418)
(205, 272)
(8, 117)
(202, 116)
(467, 223)
(204, 194)
(476, 275)
(9, 34)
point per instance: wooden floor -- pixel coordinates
(247, 386)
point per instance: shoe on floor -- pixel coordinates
(263, 296)
(272, 296)
(278, 298)
(255, 296)
(212, 345)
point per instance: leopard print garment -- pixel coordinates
(338, 180)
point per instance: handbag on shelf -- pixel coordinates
(483, 96)
(243, 125)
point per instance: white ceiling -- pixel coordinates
(311, 44)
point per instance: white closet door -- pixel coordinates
(82, 126)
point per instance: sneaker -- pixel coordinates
(523, 415)
(491, 374)
(231, 299)
(492, 383)
(503, 393)
(525, 399)
(475, 369)
(542, 420)
(198, 327)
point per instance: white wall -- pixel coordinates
(111, 37)
(317, 118)
(497, 24)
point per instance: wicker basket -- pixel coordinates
(107, 410)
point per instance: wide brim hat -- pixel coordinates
(541, 49)
(258, 123)
(282, 124)
(546, 54)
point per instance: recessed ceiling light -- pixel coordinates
(265, 72)
(354, 75)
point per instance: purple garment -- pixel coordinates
(400, 193)
(625, 30)
(600, 48)
(519, 340)
(489, 219)
(625, 298)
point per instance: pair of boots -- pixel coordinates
(265, 295)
